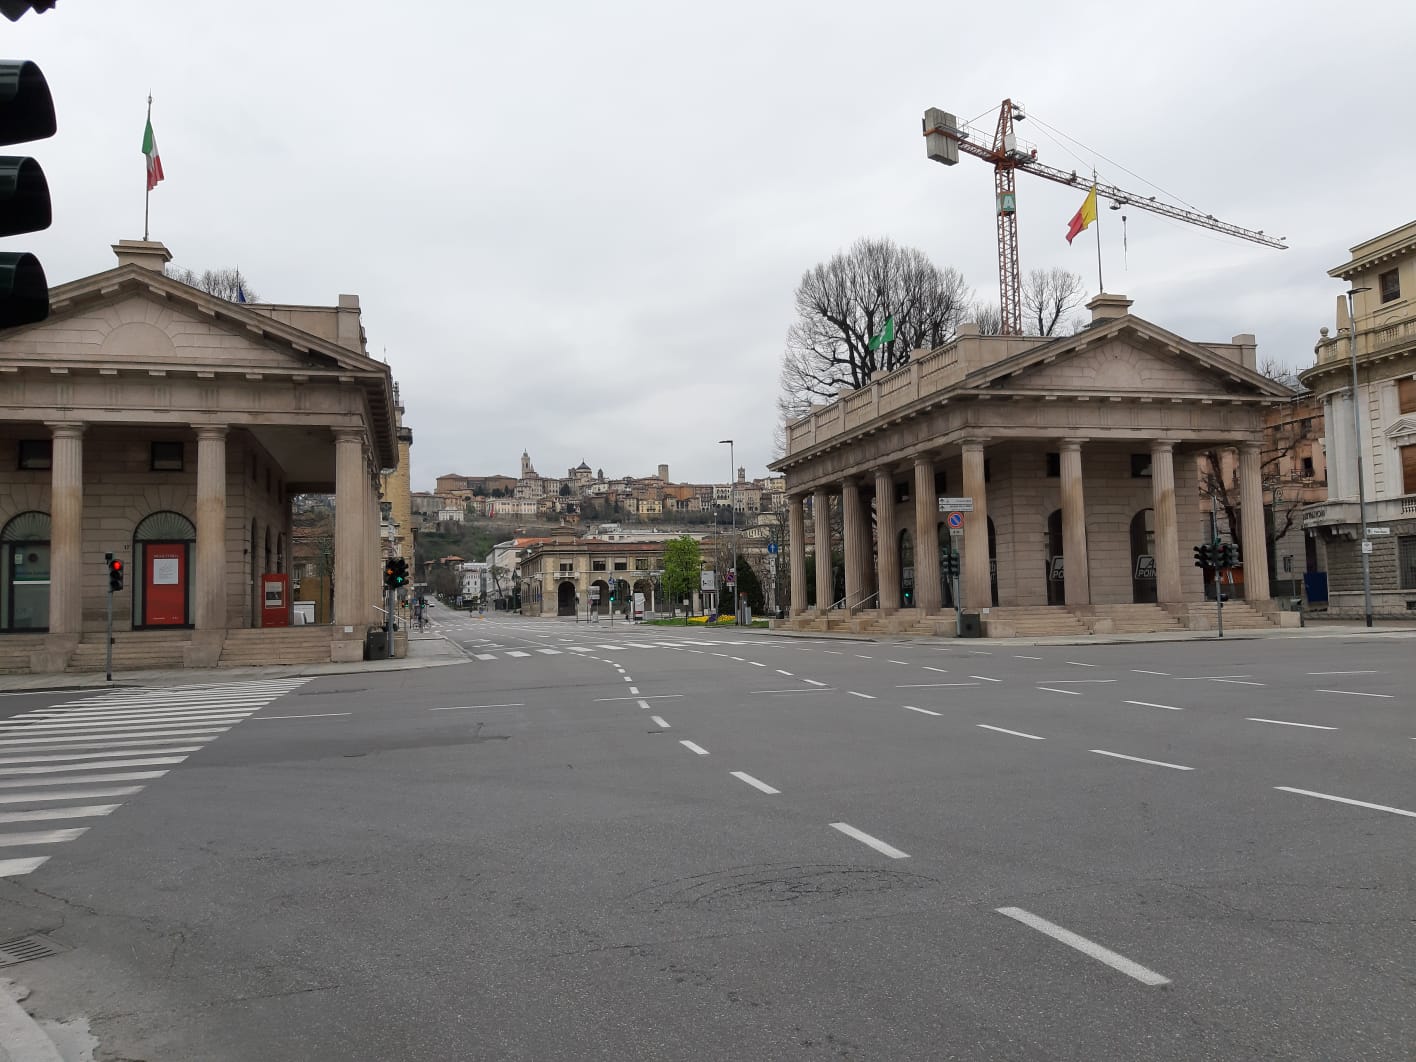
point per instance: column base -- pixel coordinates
(54, 657)
(204, 650)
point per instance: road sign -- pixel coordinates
(771, 547)
(963, 505)
(1366, 546)
(1377, 532)
(956, 521)
(956, 533)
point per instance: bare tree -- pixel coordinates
(988, 318)
(1049, 297)
(844, 302)
(228, 284)
(1278, 372)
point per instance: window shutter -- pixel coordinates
(1408, 469)
(1406, 395)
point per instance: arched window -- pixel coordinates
(24, 585)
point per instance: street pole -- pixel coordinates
(1214, 545)
(108, 649)
(732, 504)
(1366, 544)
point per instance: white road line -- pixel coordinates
(1152, 704)
(644, 704)
(921, 711)
(33, 797)
(1354, 693)
(634, 690)
(699, 749)
(1078, 663)
(941, 670)
(932, 685)
(754, 663)
(1143, 671)
(628, 679)
(1054, 689)
(874, 842)
(577, 648)
(1206, 678)
(1285, 722)
(20, 840)
(1086, 947)
(828, 689)
(985, 678)
(549, 652)
(814, 682)
(473, 707)
(86, 811)
(1239, 682)
(833, 652)
(1015, 733)
(862, 656)
(516, 652)
(609, 647)
(1346, 800)
(754, 782)
(53, 739)
(13, 868)
(652, 697)
(50, 768)
(781, 672)
(659, 722)
(1017, 656)
(1137, 759)
(1079, 682)
(905, 662)
(70, 756)
(309, 715)
(120, 724)
(480, 656)
(1344, 672)
(866, 696)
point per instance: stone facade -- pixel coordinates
(1073, 452)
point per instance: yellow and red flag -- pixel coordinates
(1084, 217)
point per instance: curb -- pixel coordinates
(21, 1038)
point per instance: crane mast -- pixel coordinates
(945, 137)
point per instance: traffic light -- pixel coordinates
(26, 113)
(115, 574)
(909, 596)
(612, 590)
(1202, 556)
(389, 571)
(400, 573)
(1229, 555)
(951, 564)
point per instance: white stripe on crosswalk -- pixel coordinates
(101, 793)
(514, 652)
(49, 768)
(486, 656)
(208, 731)
(85, 811)
(20, 840)
(549, 652)
(121, 776)
(13, 868)
(71, 756)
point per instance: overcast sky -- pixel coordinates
(576, 227)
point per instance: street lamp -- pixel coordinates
(1366, 545)
(732, 504)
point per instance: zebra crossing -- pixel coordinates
(494, 651)
(56, 761)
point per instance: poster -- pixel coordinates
(164, 571)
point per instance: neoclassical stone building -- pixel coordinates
(171, 428)
(1078, 455)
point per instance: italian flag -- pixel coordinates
(154, 160)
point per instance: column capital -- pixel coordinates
(65, 429)
(920, 460)
(1072, 442)
(1162, 446)
(215, 432)
(973, 445)
(348, 434)
(1251, 448)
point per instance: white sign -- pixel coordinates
(1378, 531)
(956, 532)
(1366, 546)
(164, 571)
(962, 505)
(638, 606)
(707, 580)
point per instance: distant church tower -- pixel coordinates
(526, 470)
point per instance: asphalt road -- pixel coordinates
(669, 843)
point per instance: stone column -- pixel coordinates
(1251, 514)
(821, 531)
(977, 582)
(349, 525)
(1076, 573)
(852, 525)
(888, 562)
(66, 522)
(928, 595)
(209, 587)
(796, 534)
(1167, 539)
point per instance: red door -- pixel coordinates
(165, 584)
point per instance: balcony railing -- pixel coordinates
(1377, 340)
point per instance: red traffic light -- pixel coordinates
(115, 566)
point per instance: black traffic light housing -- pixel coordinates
(26, 113)
(1202, 556)
(951, 564)
(115, 573)
(400, 572)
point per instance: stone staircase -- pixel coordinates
(274, 646)
(1238, 616)
(132, 651)
(15, 650)
(1040, 621)
(1129, 619)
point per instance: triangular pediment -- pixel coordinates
(132, 317)
(1125, 356)
(1402, 431)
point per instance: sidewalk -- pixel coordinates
(425, 649)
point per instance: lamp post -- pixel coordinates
(1366, 544)
(732, 504)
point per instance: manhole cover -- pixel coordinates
(23, 949)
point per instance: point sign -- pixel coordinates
(956, 521)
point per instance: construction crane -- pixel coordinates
(945, 137)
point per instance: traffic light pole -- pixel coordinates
(388, 623)
(108, 649)
(1214, 544)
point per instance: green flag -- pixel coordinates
(885, 335)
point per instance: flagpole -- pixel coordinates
(147, 183)
(1100, 287)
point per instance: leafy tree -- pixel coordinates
(841, 304)
(683, 560)
(223, 283)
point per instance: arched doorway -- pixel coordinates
(1143, 557)
(602, 606)
(907, 570)
(565, 598)
(24, 584)
(1056, 588)
(162, 592)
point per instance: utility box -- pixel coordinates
(970, 625)
(275, 599)
(376, 644)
